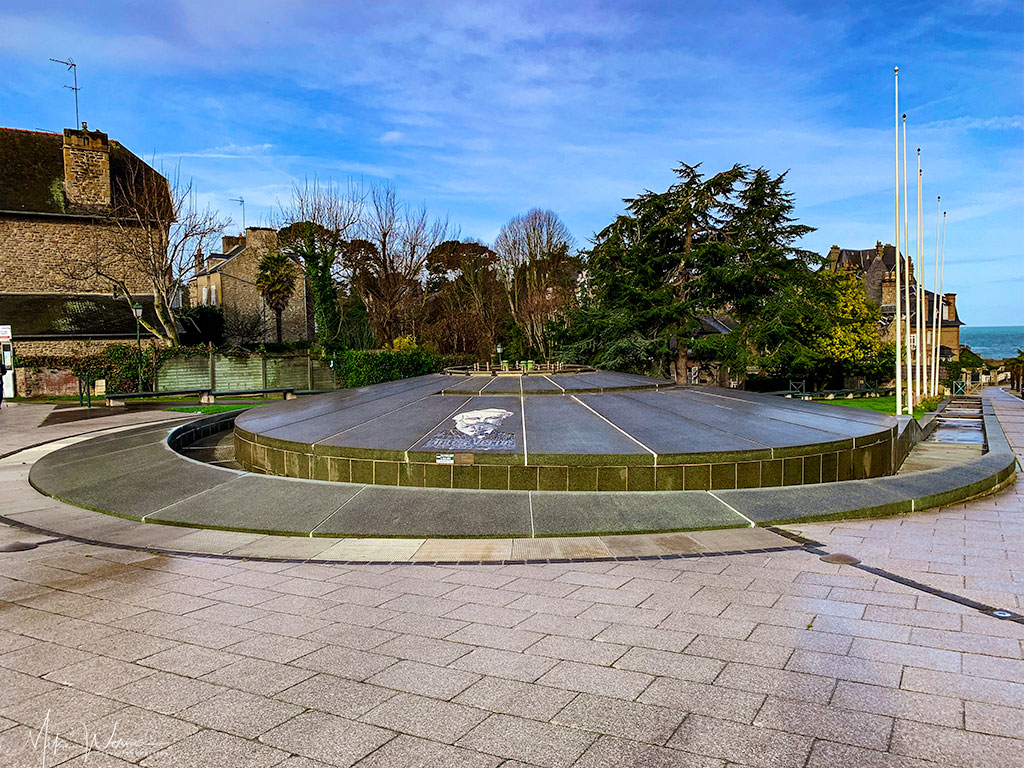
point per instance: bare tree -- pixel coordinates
(315, 228)
(388, 270)
(152, 232)
(537, 264)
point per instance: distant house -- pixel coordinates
(876, 269)
(58, 193)
(228, 280)
(704, 373)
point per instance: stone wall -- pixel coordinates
(50, 382)
(38, 251)
(852, 459)
(73, 347)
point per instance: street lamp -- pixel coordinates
(499, 355)
(137, 311)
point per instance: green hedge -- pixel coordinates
(362, 367)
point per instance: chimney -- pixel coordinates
(200, 262)
(949, 302)
(86, 170)
(833, 257)
(227, 242)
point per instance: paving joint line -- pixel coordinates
(313, 561)
(617, 427)
(346, 501)
(733, 509)
(818, 549)
(439, 424)
(187, 498)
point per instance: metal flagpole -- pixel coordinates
(919, 309)
(899, 341)
(942, 270)
(907, 273)
(935, 305)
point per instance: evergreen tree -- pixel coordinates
(275, 280)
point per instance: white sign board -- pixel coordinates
(5, 333)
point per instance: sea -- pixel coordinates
(994, 342)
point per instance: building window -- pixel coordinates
(206, 294)
(695, 375)
(213, 295)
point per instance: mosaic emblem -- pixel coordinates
(475, 431)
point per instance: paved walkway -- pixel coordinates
(115, 657)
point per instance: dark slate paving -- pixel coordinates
(535, 383)
(760, 429)
(470, 384)
(823, 421)
(390, 511)
(945, 485)
(275, 415)
(80, 465)
(561, 425)
(106, 445)
(664, 431)
(259, 503)
(512, 424)
(398, 415)
(403, 427)
(589, 512)
(793, 503)
(823, 408)
(351, 413)
(134, 483)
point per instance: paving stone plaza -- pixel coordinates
(129, 642)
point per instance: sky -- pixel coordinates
(483, 110)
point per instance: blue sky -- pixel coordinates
(484, 110)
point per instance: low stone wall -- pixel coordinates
(864, 457)
(187, 434)
(50, 382)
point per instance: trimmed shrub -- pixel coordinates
(362, 367)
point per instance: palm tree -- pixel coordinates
(276, 281)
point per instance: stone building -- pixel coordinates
(228, 280)
(876, 269)
(58, 195)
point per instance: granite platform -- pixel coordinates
(138, 475)
(582, 432)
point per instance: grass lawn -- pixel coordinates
(210, 408)
(885, 404)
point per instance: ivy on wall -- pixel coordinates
(118, 364)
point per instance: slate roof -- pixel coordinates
(861, 260)
(48, 316)
(32, 171)
(711, 325)
(221, 258)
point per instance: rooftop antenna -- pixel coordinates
(70, 64)
(241, 201)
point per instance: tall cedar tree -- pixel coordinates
(723, 246)
(636, 292)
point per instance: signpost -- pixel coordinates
(7, 354)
